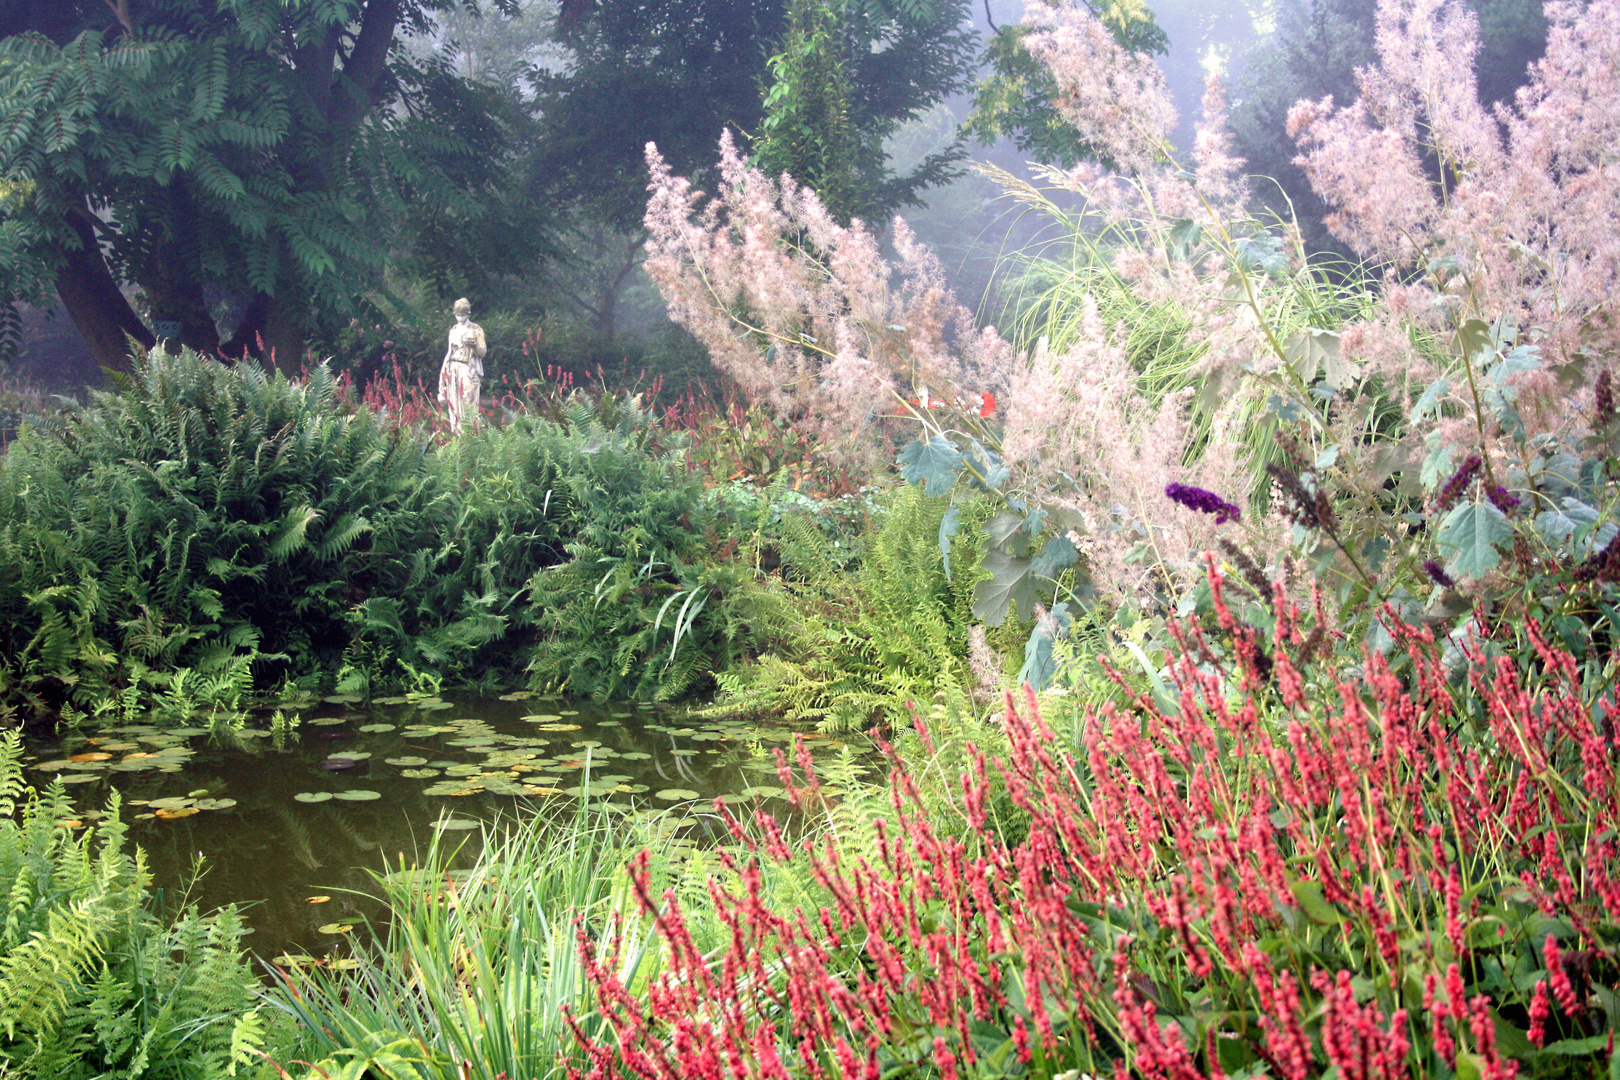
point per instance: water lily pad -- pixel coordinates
(187, 732)
(335, 928)
(434, 707)
(88, 766)
(172, 802)
(78, 778)
(328, 721)
(359, 795)
(408, 762)
(349, 755)
(621, 715)
(634, 755)
(91, 757)
(54, 766)
(456, 824)
(584, 744)
(518, 695)
(391, 701)
(542, 718)
(377, 727)
(418, 774)
(294, 960)
(541, 792)
(446, 788)
(313, 796)
(317, 899)
(215, 804)
(559, 727)
(184, 811)
(674, 794)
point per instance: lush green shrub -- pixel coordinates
(648, 602)
(245, 528)
(92, 983)
(877, 639)
(203, 517)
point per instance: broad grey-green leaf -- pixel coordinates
(1010, 582)
(933, 464)
(1040, 659)
(1005, 533)
(1058, 553)
(1429, 403)
(1314, 353)
(1469, 535)
(948, 526)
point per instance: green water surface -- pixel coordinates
(273, 825)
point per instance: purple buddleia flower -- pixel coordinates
(1503, 499)
(1438, 575)
(1205, 502)
(1453, 489)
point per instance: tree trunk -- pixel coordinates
(96, 305)
(271, 332)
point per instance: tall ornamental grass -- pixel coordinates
(476, 969)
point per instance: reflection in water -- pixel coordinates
(275, 821)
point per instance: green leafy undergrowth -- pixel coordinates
(92, 983)
(246, 529)
(205, 517)
(652, 598)
(871, 644)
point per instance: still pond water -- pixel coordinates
(279, 819)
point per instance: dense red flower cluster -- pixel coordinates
(1336, 856)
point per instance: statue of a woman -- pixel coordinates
(463, 368)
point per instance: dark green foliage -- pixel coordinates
(256, 149)
(91, 983)
(646, 603)
(250, 529)
(844, 78)
(1016, 99)
(204, 517)
(877, 642)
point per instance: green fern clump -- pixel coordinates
(211, 528)
(91, 983)
(875, 643)
(641, 602)
(206, 517)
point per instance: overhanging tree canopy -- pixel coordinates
(255, 151)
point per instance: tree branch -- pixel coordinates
(355, 90)
(120, 9)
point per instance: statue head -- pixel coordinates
(462, 307)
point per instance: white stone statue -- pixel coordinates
(463, 368)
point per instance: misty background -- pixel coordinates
(586, 300)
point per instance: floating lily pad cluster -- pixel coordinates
(176, 806)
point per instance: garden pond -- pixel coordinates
(284, 816)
